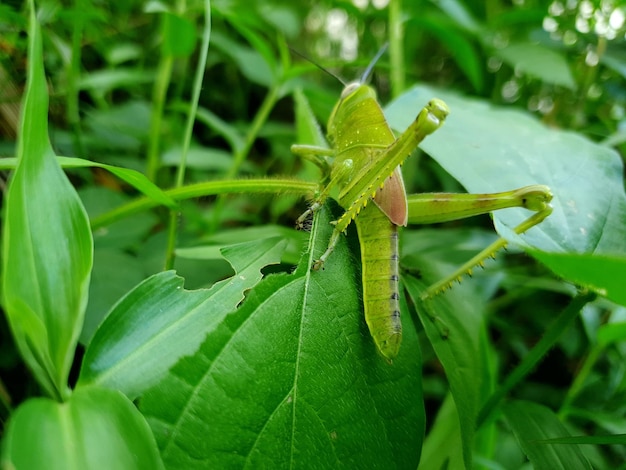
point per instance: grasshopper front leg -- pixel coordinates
(357, 191)
(322, 157)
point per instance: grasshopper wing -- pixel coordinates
(391, 199)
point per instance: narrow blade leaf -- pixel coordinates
(47, 247)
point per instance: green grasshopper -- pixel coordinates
(363, 164)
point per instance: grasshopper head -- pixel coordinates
(352, 96)
(350, 88)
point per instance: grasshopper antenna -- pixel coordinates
(372, 63)
(317, 65)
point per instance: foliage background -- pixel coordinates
(112, 68)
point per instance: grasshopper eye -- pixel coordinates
(349, 89)
(438, 109)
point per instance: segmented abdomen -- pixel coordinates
(378, 238)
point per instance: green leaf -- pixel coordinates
(462, 49)
(47, 245)
(179, 35)
(461, 15)
(228, 131)
(293, 379)
(532, 423)
(538, 61)
(611, 439)
(94, 428)
(455, 327)
(99, 200)
(103, 81)
(611, 333)
(108, 284)
(602, 274)
(158, 322)
(250, 62)
(616, 60)
(295, 239)
(308, 129)
(491, 150)
(443, 446)
(137, 180)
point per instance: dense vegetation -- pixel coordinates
(146, 148)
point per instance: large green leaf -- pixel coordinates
(293, 379)
(47, 246)
(532, 423)
(491, 150)
(94, 428)
(158, 322)
(603, 274)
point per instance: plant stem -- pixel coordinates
(242, 152)
(547, 341)
(208, 188)
(164, 75)
(180, 175)
(396, 48)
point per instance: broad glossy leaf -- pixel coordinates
(491, 150)
(531, 423)
(158, 322)
(47, 245)
(94, 428)
(293, 379)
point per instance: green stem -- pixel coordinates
(257, 124)
(396, 49)
(73, 73)
(209, 188)
(547, 341)
(580, 380)
(180, 175)
(164, 75)
(241, 153)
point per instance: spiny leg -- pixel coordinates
(322, 157)
(342, 172)
(488, 252)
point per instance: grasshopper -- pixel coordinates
(361, 165)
